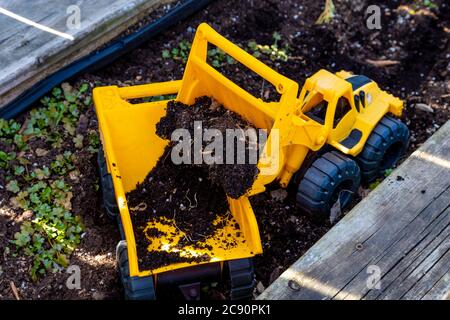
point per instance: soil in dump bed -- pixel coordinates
(182, 193)
(192, 195)
(235, 179)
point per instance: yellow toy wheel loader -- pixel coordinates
(338, 129)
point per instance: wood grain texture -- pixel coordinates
(28, 54)
(401, 229)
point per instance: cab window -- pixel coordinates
(315, 107)
(342, 108)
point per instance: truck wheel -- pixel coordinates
(332, 176)
(107, 188)
(135, 288)
(385, 146)
(242, 278)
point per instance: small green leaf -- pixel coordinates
(78, 141)
(21, 238)
(276, 36)
(73, 109)
(62, 260)
(166, 54)
(84, 87)
(184, 45)
(3, 156)
(19, 141)
(69, 127)
(70, 97)
(13, 186)
(56, 92)
(60, 184)
(87, 101)
(46, 194)
(34, 198)
(19, 170)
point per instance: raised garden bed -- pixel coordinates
(408, 57)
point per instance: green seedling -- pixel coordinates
(181, 52)
(63, 163)
(6, 159)
(20, 142)
(8, 128)
(217, 57)
(78, 141)
(429, 4)
(40, 174)
(328, 13)
(273, 51)
(13, 186)
(94, 142)
(19, 170)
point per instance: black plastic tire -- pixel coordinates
(107, 188)
(330, 176)
(242, 279)
(385, 146)
(135, 288)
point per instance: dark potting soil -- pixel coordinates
(192, 195)
(235, 178)
(181, 193)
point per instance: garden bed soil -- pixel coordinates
(417, 42)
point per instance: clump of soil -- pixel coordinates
(235, 178)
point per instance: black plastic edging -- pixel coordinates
(102, 57)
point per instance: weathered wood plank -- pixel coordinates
(28, 54)
(414, 272)
(413, 241)
(431, 272)
(440, 289)
(435, 233)
(401, 228)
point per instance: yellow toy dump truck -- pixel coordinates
(338, 129)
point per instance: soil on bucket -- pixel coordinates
(236, 157)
